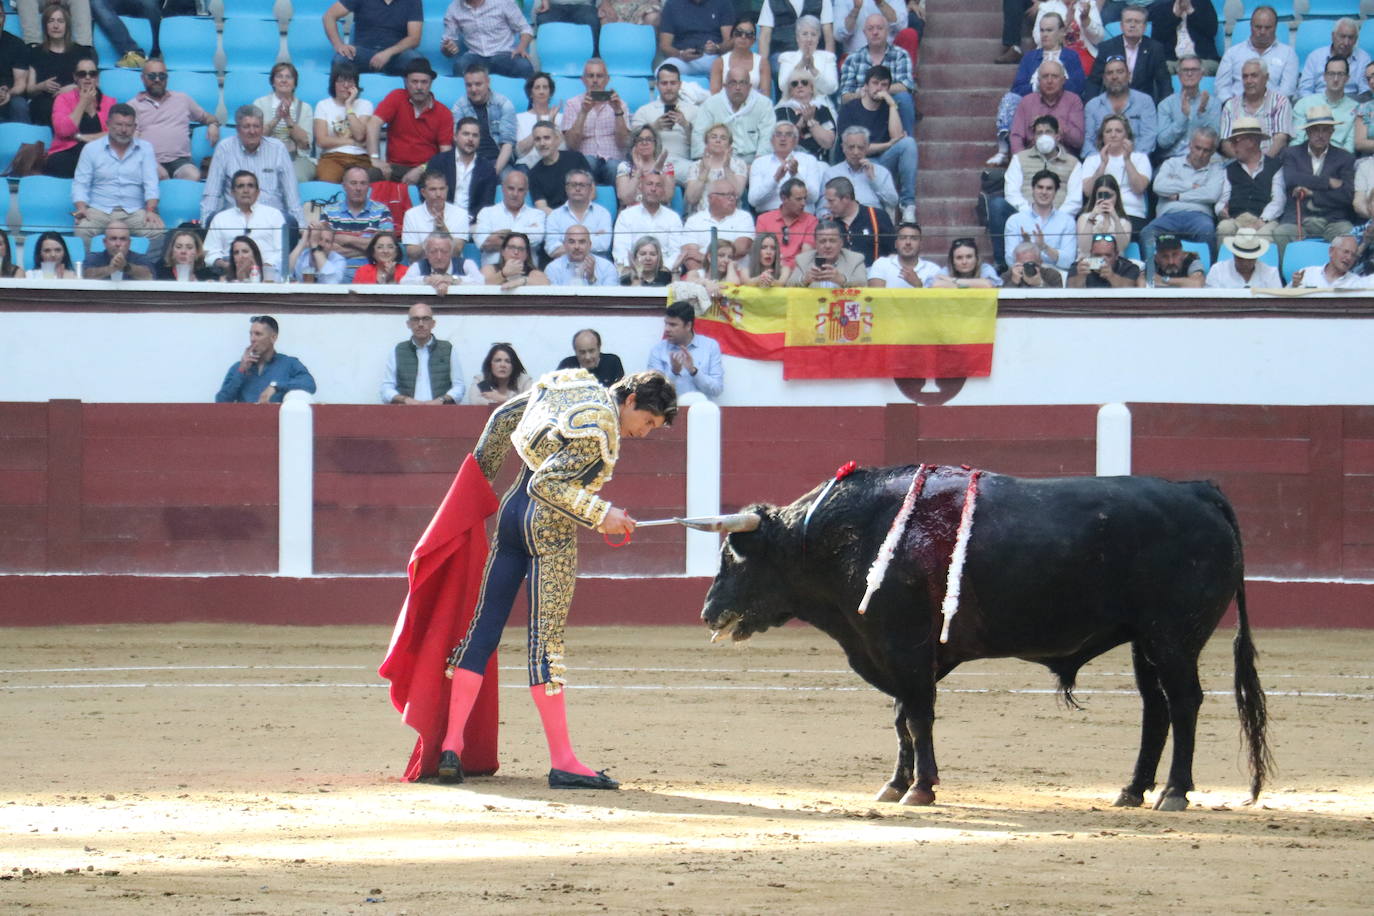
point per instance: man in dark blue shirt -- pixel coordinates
(262, 375)
(692, 33)
(386, 34)
(117, 261)
(876, 111)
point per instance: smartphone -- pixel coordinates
(822, 262)
(1096, 263)
(669, 106)
(1104, 195)
(598, 95)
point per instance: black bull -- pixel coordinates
(1058, 572)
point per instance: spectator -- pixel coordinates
(1104, 214)
(385, 34)
(14, 75)
(1051, 99)
(1364, 187)
(1281, 63)
(1364, 116)
(577, 265)
(670, 115)
(811, 60)
(1186, 110)
(248, 217)
(646, 155)
(244, 263)
(1120, 100)
(766, 267)
(649, 217)
(587, 355)
(1336, 273)
(539, 91)
(1252, 189)
(383, 266)
(357, 218)
(1027, 271)
(548, 177)
(1186, 28)
(718, 162)
(692, 33)
(1117, 156)
(441, 268)
(164, 119)
(249, 151)
(964, 270)
(645, 264)
(739, 55)
(1320, 180)
(1050, 230)
(470, 178)
(31, 27)
(769, 173)
(1046, 154)
(52, 63)
(1245, 270)
(691, 361)
(849, 28)
(9, 267)
(431, 213)
(873, 185)
(1104, 267)
(712, 275)
(1344, 33)
(746, 114)
(876, 110)
(183, 258)
(1187, 189)
(830, 264)
(512, 214)
(418, 128)
(341, 126)
(494, 114)
(634, 12)
(866, 230)
(814, 120)
(289, 119)
(516, 265)
(1334, 99)
(777, 26)
(904, 268)
(1051, 29)
(116, 178)
(79, 115)
(262, 375)
(579, 210)
(1174, 267)
(314, 259)
(596, 124)
(51, 259)
(1083, 26)
(118, 260)
(1147, 70)
(503, 377)
(1272, 109)
(422, 369)
(722, 215)
(791, 223)
(495, 33)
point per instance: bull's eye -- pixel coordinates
(734, 554)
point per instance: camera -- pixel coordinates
(1096, 263)
(1030, 269)
(598, 95)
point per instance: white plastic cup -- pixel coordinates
(117, 275)
(49, 269)
(183, 272)
(80, 267)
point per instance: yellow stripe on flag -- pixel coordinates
(891, 317)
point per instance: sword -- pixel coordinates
(743, 521)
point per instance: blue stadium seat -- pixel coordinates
(203, 87)
(250, 9)
(75, 248)
(511, 87)
(319, 190)
(306, 44)
(633, 91)
(605, 195)
(244, 87)
(121, 84)
(1330, 9)
(250, 44)
(45, 203)
(1312, 34)
(1367, 36)
(1307, 253)
(1201, 250)
(430, 39)
(628, 49)
(415, 195)
(12, 24)
(201, 147)
(1284, 8)
(313, 86)
(449, 89)
(311, 9)
(188, 43)
(140, 30)
(137, 243)
(375, 86)
(14, 134)
(564, 47)
(1240, 34)
(180, 200)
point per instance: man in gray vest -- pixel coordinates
(423, 369)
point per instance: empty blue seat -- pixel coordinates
(306, 44)
(375, 86)
(45, 203)
(250, 9)
(1330, 9)
(448, 89)
(633, 91)
(1314, 34)
(312, 86)
(512, 87)
(251, 44)
(320, 190)
(1367, 36)
(14, 134)
(431, 37)
(189, 43)
(180, 200)
(201, 86)
(628, 49)
(309, 9)
(244, 87)
(1240, 34)
(1307, 253)
(121, 84)
(605, 195)
(201, 147)
(564, 47)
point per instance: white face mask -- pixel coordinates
(1045, 143)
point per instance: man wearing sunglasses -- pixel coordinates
(1104, 268)
(691, 33)
(165, 117)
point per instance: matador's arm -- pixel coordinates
(562, 481)
(494, 443)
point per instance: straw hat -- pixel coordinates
(1249, 127)
(1318, 115)
(1247, 243)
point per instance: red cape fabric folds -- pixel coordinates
(445, 577)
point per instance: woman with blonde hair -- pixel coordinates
(718, 160)
(646, 155)
(184, 258)
(646, 264)
(765, 262)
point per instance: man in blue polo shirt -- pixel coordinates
(386, 33)
(262, 375)
(692, 33)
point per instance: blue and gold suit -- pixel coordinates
(566, 430)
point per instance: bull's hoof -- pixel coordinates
(889, 793)
(1129, 799)
(918, 796)
(1171, 803)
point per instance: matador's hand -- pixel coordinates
(617, 521)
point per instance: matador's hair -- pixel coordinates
(653, 392)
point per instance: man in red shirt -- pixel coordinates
(418, 127)
(793, 226)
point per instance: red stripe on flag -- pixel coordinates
(735, 341)
(888, 361)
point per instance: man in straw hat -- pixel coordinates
(1320, 180)
(1252, 191)
(1257, 100)
(1333, 96)
(1245, 270)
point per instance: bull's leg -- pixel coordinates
(1179, 678)
(920, 721)
(904, 773)
(1154, 729)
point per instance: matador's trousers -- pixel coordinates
(534, 541)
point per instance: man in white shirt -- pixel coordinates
(261, 223)
(426, 363)
(439, 269)
(1263, 43)
(768, 173)
(433, 212)
(721, 214)
(580, 210)
(747, 114)
(1335, 273)
(873, 185)
(671, 115)
(511, 214)
(1053, 232)
(1245, 270)
(905, 268)
(577, 265)
(648, 217)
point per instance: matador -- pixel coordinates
(567, 431)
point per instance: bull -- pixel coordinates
(1057, 572)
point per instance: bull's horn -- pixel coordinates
(740, 521)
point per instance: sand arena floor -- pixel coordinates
(236, 769)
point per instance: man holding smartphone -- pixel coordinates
(671, 115)
(596, 123)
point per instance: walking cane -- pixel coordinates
(1301, 236)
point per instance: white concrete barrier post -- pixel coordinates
(1113, 440)
(296, 485)
(703, 480)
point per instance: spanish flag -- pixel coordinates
(859, 333)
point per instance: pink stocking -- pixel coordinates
(555, 718)
(461, 697)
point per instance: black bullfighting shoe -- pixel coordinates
(562, 779)
(450, 768)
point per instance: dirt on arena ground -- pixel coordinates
(236, 769)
